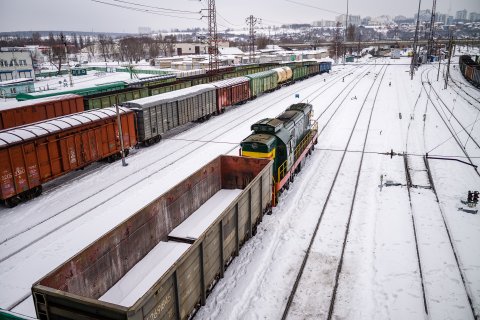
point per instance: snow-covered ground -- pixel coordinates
(380, 277)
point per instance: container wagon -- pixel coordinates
(184, 259)
(159, 114)
(231, 91)
(25, 112)
(34, 154)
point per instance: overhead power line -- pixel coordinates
(160, 8)
(314, 7)
(155, 12)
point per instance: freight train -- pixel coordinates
(470, 69)
(165, 259)
(23, 167)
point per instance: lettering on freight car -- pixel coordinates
(19, 171)
(72, 156)
(155, 313)
(7, 175)
(32, 171)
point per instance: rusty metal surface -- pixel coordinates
(90, 273)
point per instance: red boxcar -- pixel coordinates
(30, 111)
(231, 91)
(34, 154)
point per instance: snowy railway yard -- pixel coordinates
(370, 229)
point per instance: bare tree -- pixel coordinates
(262, 42)
(336, 47)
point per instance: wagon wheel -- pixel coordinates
(12, 202)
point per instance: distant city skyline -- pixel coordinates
(98, 16)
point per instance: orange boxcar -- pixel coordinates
(34, 154)
(30, 111)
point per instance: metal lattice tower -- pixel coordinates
(251, 22)
(415, 41)
(212, 38)
(432, 29)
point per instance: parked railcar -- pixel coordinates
(286, 140)
(25, 112)
(161, 113)
(325, 66)
(284, 74)
(81, 92)
(109, 99)
(34, 154)
(231, 91)
(181, 269)
(470, 70)
(263, 82)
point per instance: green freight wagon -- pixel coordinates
(299, 73)
(263, 82)
(168, 88)
(81, 92)
(104, 101)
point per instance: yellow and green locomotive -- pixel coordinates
(286, 140)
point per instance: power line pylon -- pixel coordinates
(415, 41)
(432, 29)
(212, 38)
(251, 22)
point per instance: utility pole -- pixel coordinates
(414, 56)
(212, 37)
(119, 123)
(432, 29)
(66, 59)
(450, 47)
(251, 22)
(345, 36)
(439, 60)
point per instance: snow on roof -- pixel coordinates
(228, 82)
(47, 127)
(21, 104)
(15, 81)
(231, 51)
(169, 96)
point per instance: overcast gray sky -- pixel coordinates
(88, 15)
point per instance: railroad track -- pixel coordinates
(447, 122)
(227, 127)
(415, 168)
(202, 139)
(338, 270)
(423, 216)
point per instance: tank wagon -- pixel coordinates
(159, 114)
(470, 70)
(286, 140)
(184, 242)
(34, 154)
(25, 112)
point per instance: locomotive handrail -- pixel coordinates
(282, 169)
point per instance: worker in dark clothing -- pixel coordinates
(390, 83)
